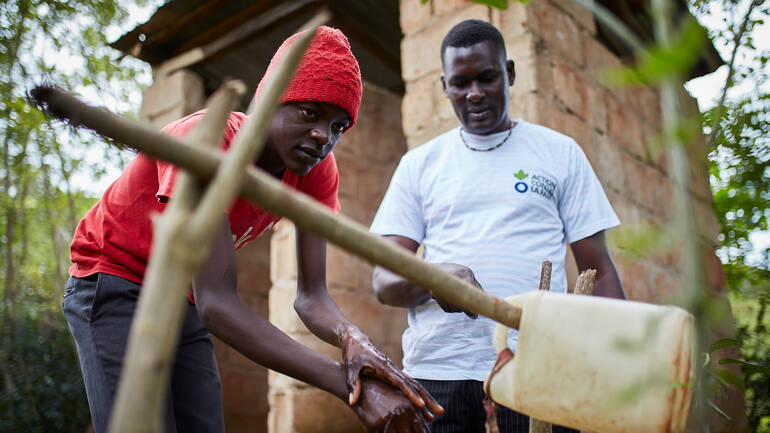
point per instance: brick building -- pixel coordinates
(560, 52)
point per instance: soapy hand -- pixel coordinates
(360, 357)
(384, 409)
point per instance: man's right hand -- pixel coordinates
(464, 273)
(384, 409)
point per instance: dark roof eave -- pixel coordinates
(170, 12)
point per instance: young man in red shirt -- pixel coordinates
(112, 244)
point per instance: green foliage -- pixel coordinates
(750, 298)
(41, 389)
(739, 155)
(499, 4)
(661, 62)
(740, 177)
(42, 386)
(637, 241)
(724, 342)
(740, 172)
(62, 43)
(726, 377)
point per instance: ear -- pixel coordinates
(510, 69)
(443, 83)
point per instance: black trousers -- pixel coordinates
(463, 402)
(99, 309)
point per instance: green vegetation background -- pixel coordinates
(41, 388)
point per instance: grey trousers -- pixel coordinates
(463, 403)
(99, 309)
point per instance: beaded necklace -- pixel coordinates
(491, 148)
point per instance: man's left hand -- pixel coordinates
(360, 356)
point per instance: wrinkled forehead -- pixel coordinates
(488, 43)
(473, 59)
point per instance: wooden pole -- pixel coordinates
(260, 188)
(141, 397)
(536, 425)
(585, 283)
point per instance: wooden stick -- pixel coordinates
(545, 276)
(182, 240)
(536, 425)
(585, 283)
(260, 188)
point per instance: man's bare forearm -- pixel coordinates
(608, 283)
(321, 315)
(263, 343)
(592, 253)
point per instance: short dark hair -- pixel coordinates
(472, 32)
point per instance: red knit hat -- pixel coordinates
(328, 72)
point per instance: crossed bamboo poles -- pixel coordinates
(208, 183)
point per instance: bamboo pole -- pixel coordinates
(260, 188)
(695, 298)
(141, 395)
(182, 240)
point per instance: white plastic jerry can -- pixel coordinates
(598, 364)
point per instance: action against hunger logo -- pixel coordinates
(539, 184)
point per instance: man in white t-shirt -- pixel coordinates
(490, 201)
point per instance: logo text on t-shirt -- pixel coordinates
(537, 184)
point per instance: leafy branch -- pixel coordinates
(715, 123)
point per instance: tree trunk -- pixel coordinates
(49, 197)
(9, 293)
(22, 220)
(72, 219)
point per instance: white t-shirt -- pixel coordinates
(501, 213)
